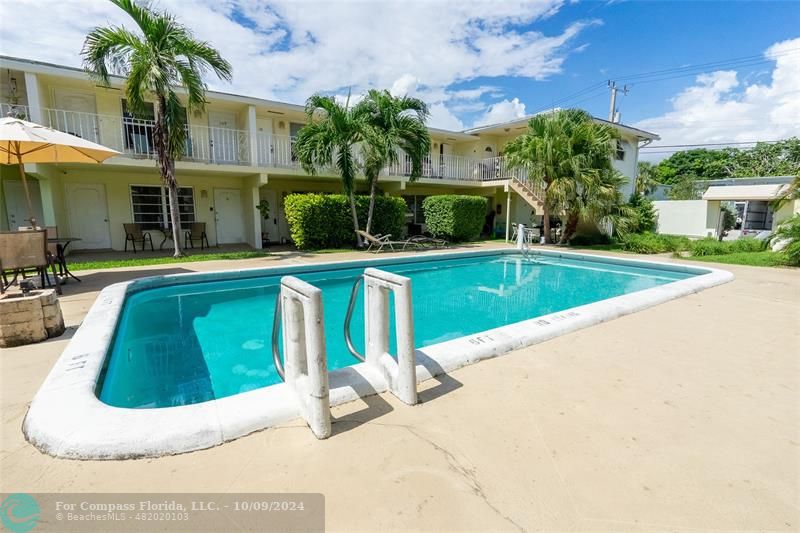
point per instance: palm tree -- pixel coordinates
(593, 186)
(393, 124)
(646, 182)
(568, 155)
(331, 138)
(161, 59)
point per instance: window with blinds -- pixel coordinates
(150, 206)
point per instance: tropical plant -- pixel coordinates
(331, 138)
(163, 57)
(569, 156)
(645, 215)
(728, 221)
(685, 188)
(646, 181)
(790, 193)
(393, 124)
(787, 239)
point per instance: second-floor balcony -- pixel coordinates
(134, 138)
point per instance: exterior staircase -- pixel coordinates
(531, 193)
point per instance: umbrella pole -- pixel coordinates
(31, 217)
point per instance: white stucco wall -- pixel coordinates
(693, 218)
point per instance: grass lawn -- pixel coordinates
(144, 261)
(764, 258)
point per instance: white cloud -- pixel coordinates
(502, 111)
(719, 107)
(288, 50)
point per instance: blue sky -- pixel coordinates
(485, 61)
(646, 36)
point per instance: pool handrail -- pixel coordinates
(276, 324)
(349, 316)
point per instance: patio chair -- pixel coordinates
(379, 242)
(134, 234)
(196, 232)
(23, 251)
(426, 240)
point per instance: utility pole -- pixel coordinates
(613, 115)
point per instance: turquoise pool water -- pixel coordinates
(198, 341)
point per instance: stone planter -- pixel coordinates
(29, 319)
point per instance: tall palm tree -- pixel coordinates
(566, 154)
(393, 123)
(331, 138)
(161, 59)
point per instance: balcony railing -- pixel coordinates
(133, 137)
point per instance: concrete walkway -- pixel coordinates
(680, 417)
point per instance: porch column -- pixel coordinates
(252, 131)
(252, 197)
(508, 211)
(32, 94)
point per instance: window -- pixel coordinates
(150, 204)
(414, 212)
(620, 151)
(138, 130)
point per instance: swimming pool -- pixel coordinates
(175, 363)
(196, 342)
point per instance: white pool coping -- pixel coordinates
(66, 418)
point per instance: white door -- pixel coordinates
(75, 113)
(270, 224)
(17, 204)
(88, 215)
(228, 215)
(224, 137)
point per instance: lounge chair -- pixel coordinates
(134, 234)
(425, 240)
(379, 242)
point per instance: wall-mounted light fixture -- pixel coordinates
(203, 193)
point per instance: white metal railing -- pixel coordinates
(134, 138)
(14, 110)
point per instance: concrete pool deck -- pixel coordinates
(682, 416)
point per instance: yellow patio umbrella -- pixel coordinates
(25, 142)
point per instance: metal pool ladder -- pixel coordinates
(299, 308)
(400, 374)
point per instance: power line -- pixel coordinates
(663, 75)
(707, 144)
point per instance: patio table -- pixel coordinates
(61, 247)
(167, 233)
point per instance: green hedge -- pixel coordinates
(455, 217)
(654, 243)
(324, 220)
(712, 246)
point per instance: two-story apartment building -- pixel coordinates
(239, 153)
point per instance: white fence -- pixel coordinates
(692, 218)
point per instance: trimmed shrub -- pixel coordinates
(324, 220)
(787, 239)
(455, 217)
